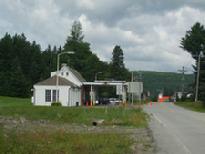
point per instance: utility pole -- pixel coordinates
(198, 74)
(140, 88)
(183, 71)
(132, 85)
(197, 79)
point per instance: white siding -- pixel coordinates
(74, 96)
(65, 97)
(71, 77)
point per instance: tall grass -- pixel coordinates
(16, 108)
(43, 142)
(194, 106)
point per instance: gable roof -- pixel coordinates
(78, 75)
(52, 82)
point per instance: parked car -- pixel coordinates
(104, 101)
(114, 101)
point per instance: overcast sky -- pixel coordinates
(148, 31)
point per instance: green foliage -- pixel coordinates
(23, 63)
(49, 57)
(194, 43)
(117, 58)
(56, 104)
(87, 63)
(202, 81)
(43, 139)
(76, 32)
(194, 106)
(52, 142)
(20, 65)
(118, 70)
(194, 40)
(169, 83)
(17, 108)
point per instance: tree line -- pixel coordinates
(24, 63)
(194, 43)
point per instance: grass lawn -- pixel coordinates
(15, 138)
(17, 108)
(199, 107)
(59, 142)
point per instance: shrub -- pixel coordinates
(56, 104)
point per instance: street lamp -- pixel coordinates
(57, 73)
(198, 74)
(96, 75)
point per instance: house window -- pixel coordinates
(54, 96)
(48, 95)
(62, 73)
(67, 73)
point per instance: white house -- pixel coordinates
(72, 89)
(69, 88)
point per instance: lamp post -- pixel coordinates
(132, 84)
(57, 73)
(198, 74)
(96, 75)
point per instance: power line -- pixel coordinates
(183, 71)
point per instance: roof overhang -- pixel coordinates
(103, 83)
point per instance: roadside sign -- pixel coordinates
(119, 90)
(135, 87)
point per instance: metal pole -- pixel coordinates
(197, 79)
(183, 78)
(183, 71)
(57, 73)
(140, 80)
(91, 95)
(57, 78)
(96, 75)
(132, 85)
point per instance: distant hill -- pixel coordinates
(166, 81)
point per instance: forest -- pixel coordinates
(166, 82)
(24, 63)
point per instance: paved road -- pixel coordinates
(177, 130)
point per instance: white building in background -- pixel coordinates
(73, 90)
(69, 88)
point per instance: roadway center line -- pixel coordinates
(175, 136)
(155, 116)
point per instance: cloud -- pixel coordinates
(148, 32)
(86, 4)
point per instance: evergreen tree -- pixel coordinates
(18, 85)
(76, 32)
(202, 80)
(21, 65)
(118, 70)
(194, 43)
(194, 40)
(83, 59)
